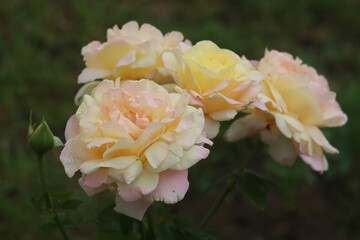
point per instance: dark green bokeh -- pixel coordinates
(40, 43)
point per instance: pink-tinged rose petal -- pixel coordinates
(333, 115)
(186, 122)
(320, 139)
(84, 90)
(223, 115)
(281, 149)
(146, 182)
(72, 128)
(260, 105)
(172, 186)
(134, 209)
(127, 59)
(317, 160)
(195, 101)
(191, 157)
(282, 125)
(254, 63)
(69, 161)
(91, 191)
(237, 131)
(218, 87)
(90, 48)
(96, 179)
(146, 61)
(202, 139)
(90, 74)
(211, 127)
(129, 193)
(254, 121)
(98, 142)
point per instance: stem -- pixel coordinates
(49, 205)
(248, 159)
(151, 226)
(214, 208)
(230, 186)
(143, 231)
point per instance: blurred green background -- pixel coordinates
(40, 43)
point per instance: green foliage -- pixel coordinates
(180, 228)
(112, 224)
(64, 195)
(254, 188)
(48, 228)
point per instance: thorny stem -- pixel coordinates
(49, 206)
(229, 188)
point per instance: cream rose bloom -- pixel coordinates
(218, 80)
(130, 53)
(294, 103)
(137, 140)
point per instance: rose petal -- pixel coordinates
(172, 187)
(134, 209)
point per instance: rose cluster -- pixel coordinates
(159, 100)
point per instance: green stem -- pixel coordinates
(214, 208)
(151, 225)
(143, 231)
(230, 186)
(49, 206)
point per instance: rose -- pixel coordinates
(294, 103)
(218, 80)
(137, 140)
(130, 53)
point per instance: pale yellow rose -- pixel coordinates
(137, 140)
(130, 53)
(294, 103)
(218, 80)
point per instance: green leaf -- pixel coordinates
(31, 127)
(62, 216)
(61, 195)
(254, 188)
(71, 204)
